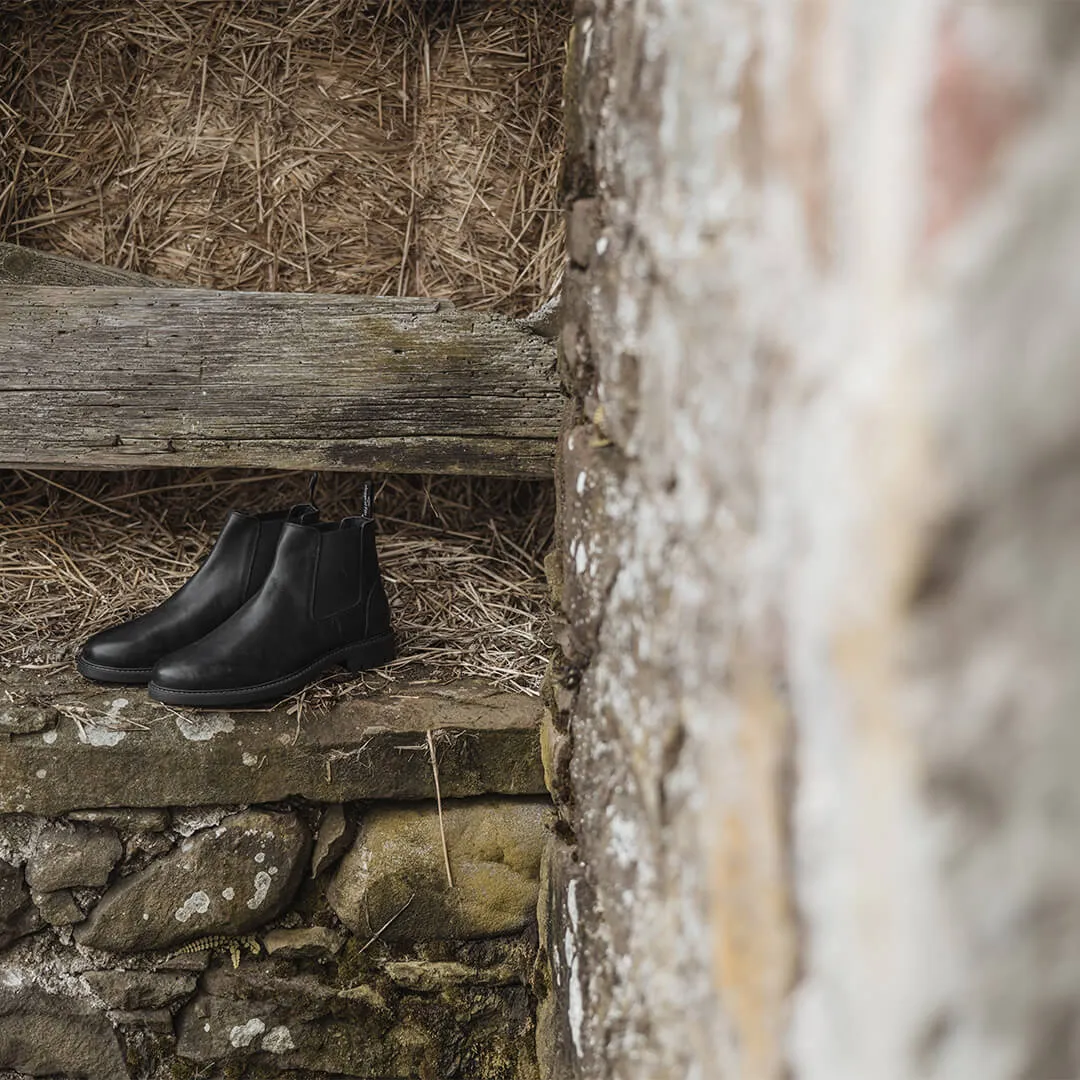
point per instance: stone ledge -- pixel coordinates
(113, 747)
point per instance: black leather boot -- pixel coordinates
(322, 604)
(232, 573)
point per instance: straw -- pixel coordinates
(390, 147)
(460, 559)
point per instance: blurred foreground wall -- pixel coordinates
(816, 730)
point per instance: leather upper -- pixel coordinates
(233, 571)
(323, 591)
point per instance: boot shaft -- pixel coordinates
(335, 567)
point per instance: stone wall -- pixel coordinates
(813, 727)
(334, 922)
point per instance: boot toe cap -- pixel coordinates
(179, 672)
(193, 670)
(116, 650)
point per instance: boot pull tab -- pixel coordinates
(366, 500)
(312, 488)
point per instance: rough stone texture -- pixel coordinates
(14, 895)
(58, 908)
(129, 752)
(134, 990)
(25, 922)
(819, 521)
(335, 834)
(44, 1034)
(299, 1023)
(308, 999)
(556, 750)
(393, 880)
(125, 821)
(157, 1020)
(433, 976)
(26, 717)
(67, 857)
(567, 915)
(40, 1044)
(224, 880)
(306, 943)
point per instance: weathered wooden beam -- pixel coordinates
(120, 377)
(24, 266)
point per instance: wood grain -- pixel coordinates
(120, 377)
(24, 266)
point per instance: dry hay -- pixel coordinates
(391, 147)
(82, 551)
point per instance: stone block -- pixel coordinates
(68, 857)
(335, 835)
(19, 925)
(434, 976)
(581, 232)
(58, 908)
(296, 1023)
(566, 908)
(556, 749)
(43, 1044)
(227, 879)
(139, 990)
(157, 758)
(14, 895)
(22, 719)
(159, 1021)
(304, 943)
(393, 880)
(594, 504)
(125, 821)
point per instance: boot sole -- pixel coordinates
(103, 674)
(360, 656)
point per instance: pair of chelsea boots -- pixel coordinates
(280, 598)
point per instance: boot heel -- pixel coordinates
(370, 654)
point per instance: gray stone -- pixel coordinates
(825, 607)
(581, 232)
(139, 848)
(27, 921)
(14, 895)
(188, 820)
(296, 1023)
(133, 990)
(18, 719)
(393, 880)
(58, 908)
(125, 821)
(196, 962)
(566, 912)
(66, 857)
(308, 943)
(432, 976)
(156, 1020)
(353, 751)
(556, 749)
(333, 839)
(39, 1044)
(225, 880)
(237, 1010)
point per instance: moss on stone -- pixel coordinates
(353, 964)
(182, 1069)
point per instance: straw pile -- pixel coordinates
(392, 147)
(81, 551)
